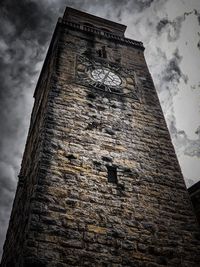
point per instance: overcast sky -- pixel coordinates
(170, 31)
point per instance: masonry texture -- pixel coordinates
(66, 211)
(194, 192)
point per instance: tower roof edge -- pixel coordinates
(82, 17)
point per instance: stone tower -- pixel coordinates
(100, 184)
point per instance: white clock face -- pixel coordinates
(105, 76)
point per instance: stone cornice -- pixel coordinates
(100, 32)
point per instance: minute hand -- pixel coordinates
(105, 77)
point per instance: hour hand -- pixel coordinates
(105, 77)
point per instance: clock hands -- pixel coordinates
(105, 77)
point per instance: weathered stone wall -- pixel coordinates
(194, 192)
(78, 218)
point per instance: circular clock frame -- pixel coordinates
(104, 76)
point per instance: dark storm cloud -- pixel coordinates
(182, 142)
(173, 28)
(120, 5)
(28, 20)
(197, 13)
(198, 44)
(25, 16)
(162, 24)
(22, 44)
(191, 147)
(141, 5)
(172, 72)
(188, 146)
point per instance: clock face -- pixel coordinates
(104, 76)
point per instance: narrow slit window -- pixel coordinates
(112, 174)
(99, 52)
(104, 54)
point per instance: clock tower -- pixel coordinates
(100, 184)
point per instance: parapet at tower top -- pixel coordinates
(77, 16)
